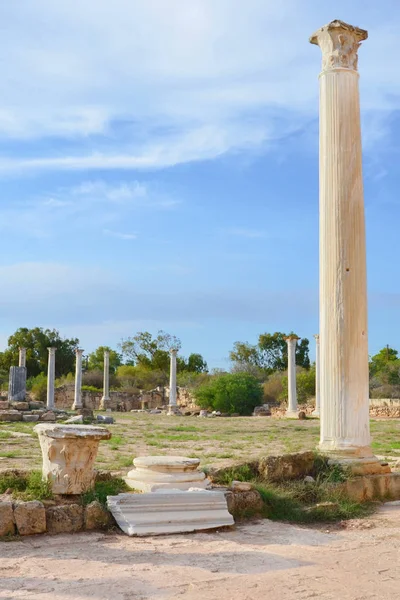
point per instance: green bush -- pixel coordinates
(230, 393)
(30, 487)
(102, 489)
(38, 386)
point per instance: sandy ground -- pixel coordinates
(252, 562)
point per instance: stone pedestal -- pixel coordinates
(344, 377)
(69, 452)
(105, 401)
(152, 473)
(17, 384)
(291, 412)
(170, 512)
(317, 411)
(78, 380)
(51, 373)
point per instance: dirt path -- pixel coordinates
(253, 562)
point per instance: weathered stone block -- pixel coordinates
(36, 405)
(30, 418)
(30, 517)
(17, 384)
(20, 405)
(242, 502)
(7, 523)
(66, 518)
(10, 415)
(286, 466)
(96, 516)
(48, 416)
(4, 404)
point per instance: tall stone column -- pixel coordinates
(22, 357)
(78, 380)
(51, 374)
(344, 381)
(317, 410)
(291, 412)
(105, 401)
(172, 406)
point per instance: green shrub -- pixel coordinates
(102, 489)
(230, 393)
(38, 386)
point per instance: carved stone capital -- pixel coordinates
(339, 43)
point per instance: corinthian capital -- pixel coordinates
(339, 43)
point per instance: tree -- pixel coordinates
(196, 364)
(36, 341)
(270, 354)
(140, 378)
(380, 362)
(153, 353)
(96, 359)
(230, 393)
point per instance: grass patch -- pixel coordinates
(102, 489)
(30, 487)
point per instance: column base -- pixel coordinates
(105, 403)
(291, 414)
(76, 406)
(359, 461)
(173, 410)
(316, 413)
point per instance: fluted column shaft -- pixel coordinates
(344, 381)
(317, 410)
(78, 380)
(51, 374)
(172, 380)
(22, 357)
(106, 380)
(292, 391)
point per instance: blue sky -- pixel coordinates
(159, 168)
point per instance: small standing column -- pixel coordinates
(344, 383)
(172, 406)
(317, 410)
(291, 412)
(78, 380)
(106, 381)
(22, 357)
(51, 375)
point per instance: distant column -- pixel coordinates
(22, 357)
(172, 406)
(78, 380)
(317, 409)
(106, 381)
(51, 374)
(291, 412)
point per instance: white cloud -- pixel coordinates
(120, 235)
(154, 83)
(245, 232)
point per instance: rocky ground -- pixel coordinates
(252, 562)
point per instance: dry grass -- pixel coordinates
(217, 442)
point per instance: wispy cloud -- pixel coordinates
(245, 232)
(120, 235)
(194, 80)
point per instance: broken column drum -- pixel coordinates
(17, 384)
(69, 452)
(344, 380)
(152, 473)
